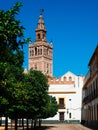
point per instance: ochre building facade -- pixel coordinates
(90, 92)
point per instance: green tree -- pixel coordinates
(51, 108)
(11, 58)
(37, 90)
(11, 33)
(39, 104)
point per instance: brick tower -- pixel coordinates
(40, 53)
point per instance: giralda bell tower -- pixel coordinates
(40, 53)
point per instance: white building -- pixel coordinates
(67, 90)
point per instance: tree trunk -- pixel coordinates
(19, 122)
(6, 123)
(0, 121)
(23, 123)
(15, 123)
(27, 124)
(34, 123)
(39, 122)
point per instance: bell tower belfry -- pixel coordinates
(40, 53)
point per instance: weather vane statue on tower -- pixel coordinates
(41, 11)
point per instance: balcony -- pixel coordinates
(90, 97)
(61, 106)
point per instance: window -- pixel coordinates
(61, 116)
(39, 51)
(70, 115)
(61, 103)
(35, 50)
(38, 36)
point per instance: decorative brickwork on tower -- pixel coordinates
(40, 53)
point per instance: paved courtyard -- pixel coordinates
(57, 127)
(64, 127)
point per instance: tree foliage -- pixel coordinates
(11, 32)
(39, 104)
(37, 90)
(51, 108)
(11, 57)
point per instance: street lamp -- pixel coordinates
(67, 111)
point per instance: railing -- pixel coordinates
(90, 97)
(61, 106)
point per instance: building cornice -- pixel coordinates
(62, 92)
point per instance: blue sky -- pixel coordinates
(72, 25)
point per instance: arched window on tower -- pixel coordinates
(32, 52)
(43, 36)
(39, 51)
(35, 50)
(38, 36)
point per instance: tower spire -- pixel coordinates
(40, 30)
